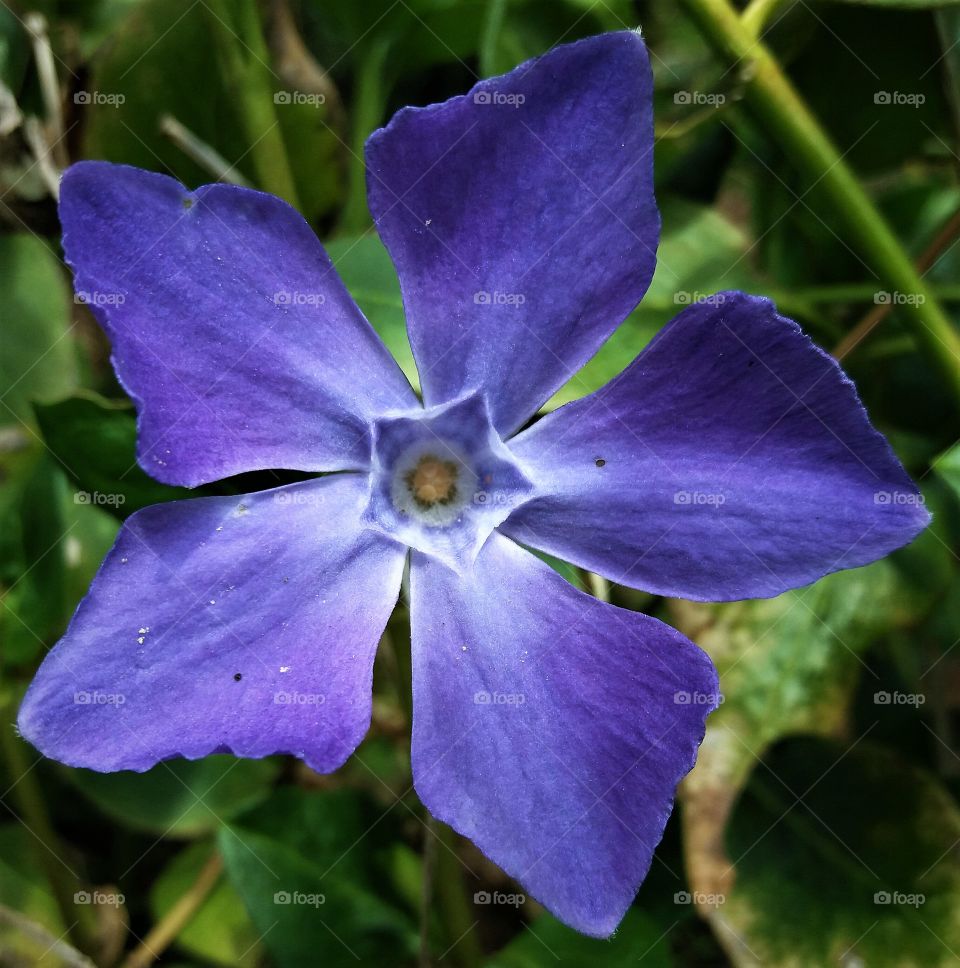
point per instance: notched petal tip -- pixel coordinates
(597, 745)
(761, 470)
(573, 136)
(276, 656)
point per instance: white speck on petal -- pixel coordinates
(284, 668)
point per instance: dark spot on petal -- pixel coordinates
(188, 202)
(237, 676)
(600, 462)
(751, 362)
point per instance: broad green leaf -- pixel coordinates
(308, 913)
(787, 665)
(860, 870)
(54, 546)
(700, 253)
(947, 18)
(367, 271)
(160, 62)
(947, 466)
(95, 440)
(311, 861)
(221, 931)
(180, 798)
(868, 76)
(38, 359)
(23, 888)
(547, 942)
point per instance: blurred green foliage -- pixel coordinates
(824, 804)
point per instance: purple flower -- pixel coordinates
(731, 459)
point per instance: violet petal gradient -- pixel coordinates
(282, 589)
(486, 200)
(732, 459)
(231, 330)
(569, 789)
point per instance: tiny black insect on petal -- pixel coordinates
(600, 462)
(237, 676)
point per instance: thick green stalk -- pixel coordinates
(786, 115)
(759, 13)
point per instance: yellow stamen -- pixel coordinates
(433, 481)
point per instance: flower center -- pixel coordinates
(433, 481)
(441, 479)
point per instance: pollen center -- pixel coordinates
(433, 481)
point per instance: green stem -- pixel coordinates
(492, 25)
(444, 887)
(48, 850)
(243, 57)
(758, 15)
(368, 107)
(454, 905)
(781, 108)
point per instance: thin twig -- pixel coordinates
(165, 931)
(426, 890)
(66, 953)
(199, 151)
(36, 25)
(879, 313)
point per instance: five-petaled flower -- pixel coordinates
(731, 459)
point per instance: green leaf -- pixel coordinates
(947, 465)
(53, 547)
(38, 359)
(309, 913)
(367, 271)
(23, 888)
(180, 798)
(158, 60)
(221, 930)
(787, 665)
(95, 440)
(861, 869)
(700, 253)
(546, 941)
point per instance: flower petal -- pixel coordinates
(227, 624)
(732, 459)
(550, 728)
(230, 327)
(521, 220)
